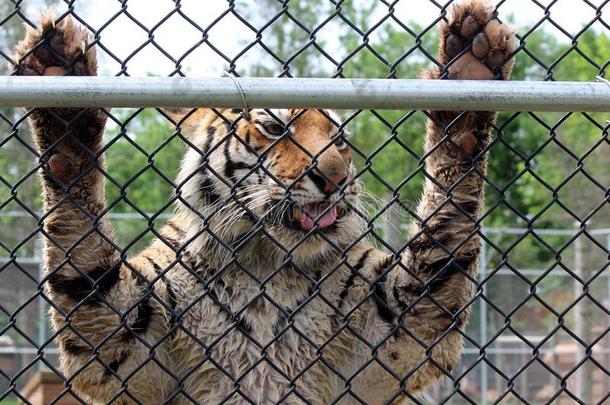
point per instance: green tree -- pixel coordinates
(143, 158)
(288, 40)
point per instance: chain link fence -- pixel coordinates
(538, 329)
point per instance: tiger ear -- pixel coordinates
(184, 118)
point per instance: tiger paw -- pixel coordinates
(60, 48)
(474, 44)
(56, 49)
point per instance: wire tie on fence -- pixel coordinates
(242, 94)
(603, 80)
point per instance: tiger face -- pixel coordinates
(286, 173)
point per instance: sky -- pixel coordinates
(175, 35)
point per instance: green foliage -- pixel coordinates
(554, 144)
(143, 158)
(286, 39)
(389, 144)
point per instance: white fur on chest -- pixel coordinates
(256, 330)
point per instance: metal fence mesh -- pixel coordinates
(539, 329)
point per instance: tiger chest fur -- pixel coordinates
(264, 327)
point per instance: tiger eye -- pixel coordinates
(274, 129)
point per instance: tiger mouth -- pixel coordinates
(320, 215)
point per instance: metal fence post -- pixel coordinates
(42, 313)
(608, 301)
(483, 317)
(582, 321)
(608, 275)
(391, 224)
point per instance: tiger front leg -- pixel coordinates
(435, 280)
(68, 139)
(99, 303)
(423, 296)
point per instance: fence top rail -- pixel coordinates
(304, 93)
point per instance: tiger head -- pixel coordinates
(285, 175)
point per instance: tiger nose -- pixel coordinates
(329, 176)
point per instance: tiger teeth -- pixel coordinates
(296, 213)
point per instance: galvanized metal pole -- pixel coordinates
(391, 221)
(42, 308)
(607, 274)
(304, 93)
(483, 319)
(583, 377)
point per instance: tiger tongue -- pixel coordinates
(319, 212)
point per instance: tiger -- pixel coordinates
(262, 288)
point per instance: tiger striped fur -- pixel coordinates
(235, 303)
